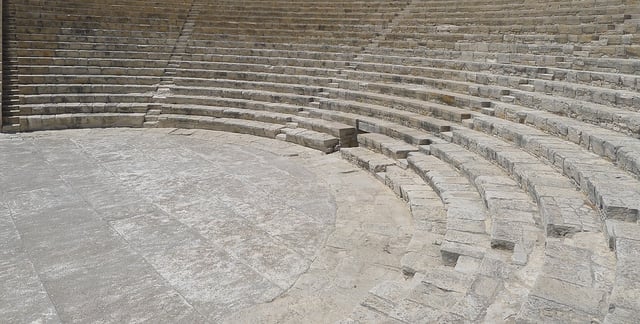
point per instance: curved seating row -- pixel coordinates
(502, 123)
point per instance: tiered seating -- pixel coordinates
(89, 64)
(270, 57)
(569, 88)
(511, 127)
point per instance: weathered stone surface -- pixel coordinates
(188, 226)
(557, 86)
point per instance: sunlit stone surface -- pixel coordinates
(170, 225)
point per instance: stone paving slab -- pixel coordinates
(188, 226)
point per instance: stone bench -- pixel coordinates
(96, 79)
(515, 218)
(27, 62)
(510, 25)
(188, 86)
(221, 124)
(281, 33)
(316, 140)
(564, 210)
(619, 199)
(464, 205)
(623, 237)
(527, 16)
(615, 146)
(82, 107)
(102, 26)
(346, 134)
(77, 46)
(214, 46)
(564, 289)
(210, 61)
(348, 26)
(80, 120)
(582, 63)
(243, 71)
(411, 104)
(506, 10)
(373, 125)
(81, 88)
(113, 56)
(85, 98)
(118, 30)
(200, 53)
(504, 69)
(91, 70)
(226, 112)
(579, 100)
(201, 95)
(393, 148)
(217, 78)
(402, 117)
(195, 102)
(367, 159)
(533, 79)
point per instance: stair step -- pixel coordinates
(366, 159)
(10, 128)
(316, 140)
(386, 145)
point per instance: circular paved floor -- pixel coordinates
(128, 225)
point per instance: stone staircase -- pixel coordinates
(511, 128)
(10, 90)
(164, 86)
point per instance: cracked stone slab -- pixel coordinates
(122, 225)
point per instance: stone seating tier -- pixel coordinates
(501, 124)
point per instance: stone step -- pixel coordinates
(225, 112)
(80, 120)
(564, 210)
(319, 141)
(366, 159)
(206, 101)
(565, 289)
(346, 133)
(39, 89)
(247, 94)
(429, 216)
(593, 174)
(150, 124)
(375, 125)
(496, 61)
(406, 118)
(439, 291)
(246, 79)
(82, 107)
(426, 207)
(466, 233)
(10, 128)
(625, 239)
(220, 124)
(284, 88)
(515, 219)
(63, 98)
(386, 145)
(615, 146)
(405, 98)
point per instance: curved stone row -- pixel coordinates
(523, 115)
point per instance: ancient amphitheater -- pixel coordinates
(366, 161)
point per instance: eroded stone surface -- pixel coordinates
(124, 225)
